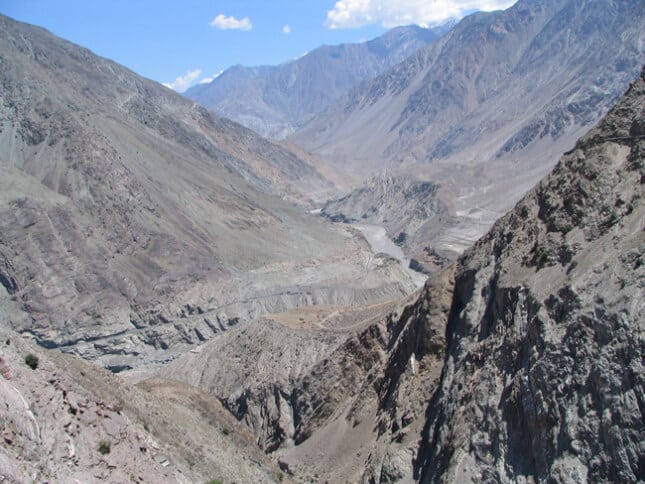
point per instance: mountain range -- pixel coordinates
(521, 361)
(274, 101)
(485, 111)
(469, 89)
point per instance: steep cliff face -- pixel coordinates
(543, 377)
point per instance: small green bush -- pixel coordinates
(105, 447)
(215, 481)
(32, 361)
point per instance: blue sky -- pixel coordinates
(184, 42)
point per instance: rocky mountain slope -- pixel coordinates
(306, 384)
(488, 109)
(520, 362)
(132, 221)
(547, 327)
(570, 60)
(276, 100)
(66, 420)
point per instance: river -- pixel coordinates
(380, 242)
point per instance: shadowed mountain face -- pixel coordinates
(487, 109)
(276, 100)
(131, 218)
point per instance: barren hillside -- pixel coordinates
(133, 222)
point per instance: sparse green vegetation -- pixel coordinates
(215, 481)
(105, 447)
(31, 361)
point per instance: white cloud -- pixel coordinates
(207, 80)
(184, 82)
(231, 23)
(348, 14)
(286, 29)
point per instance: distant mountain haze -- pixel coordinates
(276, 100)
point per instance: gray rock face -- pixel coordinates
(276, 100)
(544, 378)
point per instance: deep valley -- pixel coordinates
(433, 272)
